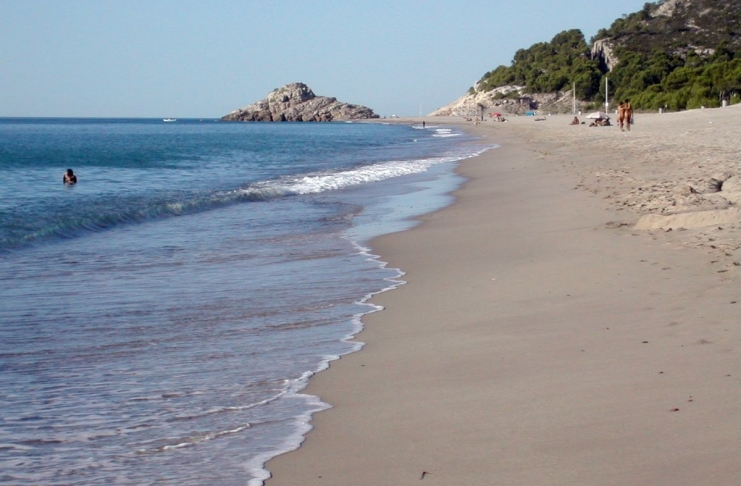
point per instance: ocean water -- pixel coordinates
(159, 319)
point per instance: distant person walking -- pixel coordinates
(621, 115)
(69, 177)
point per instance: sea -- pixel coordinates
(160, 319)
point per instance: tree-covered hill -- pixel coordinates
(676, 54)
(550, 66)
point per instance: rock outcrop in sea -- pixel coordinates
(297, 102)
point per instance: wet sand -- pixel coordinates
(549, 333)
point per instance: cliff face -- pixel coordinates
(604, 50)
(297, 102)
(474, 104)
(676, 27)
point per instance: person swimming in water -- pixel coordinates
(69, 177)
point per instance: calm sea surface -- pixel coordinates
(159, 319)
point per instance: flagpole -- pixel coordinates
(573, 91)
(607, 95)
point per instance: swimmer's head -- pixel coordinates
(69, 172)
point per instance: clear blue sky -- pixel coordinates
(189, 58)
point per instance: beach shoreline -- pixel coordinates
(543, 336)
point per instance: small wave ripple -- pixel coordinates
(103, 214)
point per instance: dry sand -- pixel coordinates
(545, 339)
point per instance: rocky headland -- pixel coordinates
(671, 54)
(507, 100)
(297, 102)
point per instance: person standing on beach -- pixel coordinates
(621, 115)
(627, 113)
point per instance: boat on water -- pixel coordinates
(169, 119)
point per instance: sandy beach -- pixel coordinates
(572, 319)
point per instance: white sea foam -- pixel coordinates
(332, 181)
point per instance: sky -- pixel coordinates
(206, 58)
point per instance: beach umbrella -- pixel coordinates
(598, 115)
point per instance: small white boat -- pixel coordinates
(169, 119)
